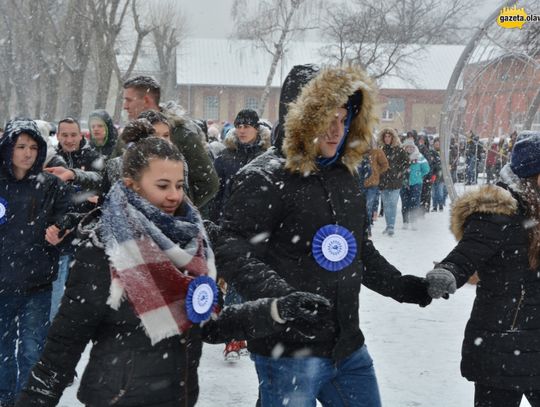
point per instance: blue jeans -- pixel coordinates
(24, 321)
(471, 170)
(438, 194)
(372, 194)
(410, 202)
(60, 283)
(390, 199)
(299, 382)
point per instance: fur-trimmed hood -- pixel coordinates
(395, 138)
(489, 199)
(263, 139)
(311, 114)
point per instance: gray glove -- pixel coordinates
(440, 282)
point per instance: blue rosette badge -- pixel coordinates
(3, 210)
(202, 296)
(334, 247)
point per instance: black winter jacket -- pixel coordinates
(27, 261)
(86, 163)
(501, 347)
(398, 161)
(124, 369)
(230, 160)
(278, 204)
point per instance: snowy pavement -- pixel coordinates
(416, 351)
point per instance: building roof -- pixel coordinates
(230, 62)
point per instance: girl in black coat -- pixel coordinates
(498, 228)
(142, 290)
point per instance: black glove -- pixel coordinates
(415, 290)
(302, 305)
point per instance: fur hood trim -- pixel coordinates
(487, 199)
(311, 114)
(174, 113)
(263, 134)
(395, 138)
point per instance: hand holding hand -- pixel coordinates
(301, 305)
(441, 283)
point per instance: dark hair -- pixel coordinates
(137, 157)
(154, 117)
(69, 120)
(137, 130)
(144, 85)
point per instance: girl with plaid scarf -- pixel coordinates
(142, 290)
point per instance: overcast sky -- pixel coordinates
(212, 18)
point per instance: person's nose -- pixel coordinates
(174, 194)
(334, 129)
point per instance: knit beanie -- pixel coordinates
(525, 160)
(247, 117)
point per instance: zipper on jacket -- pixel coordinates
(513, 327)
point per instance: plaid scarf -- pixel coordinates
(153, 257)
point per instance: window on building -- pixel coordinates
(252, 103)
(211, 107)
(394, 106)
(387, 115)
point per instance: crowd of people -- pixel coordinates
(148, 240)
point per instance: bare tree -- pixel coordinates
(6, 65)
(273, 25)
(169, 32)
(107, 17)
(17, 18)
(142, 31)
(81, 37)
(382, 35)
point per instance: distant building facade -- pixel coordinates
(217, 78)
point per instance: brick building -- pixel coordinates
(499, 93)
(217, 78)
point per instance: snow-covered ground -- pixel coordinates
(416, 351)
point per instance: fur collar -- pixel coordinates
(489, 199)
(310, 115)
(263, 135)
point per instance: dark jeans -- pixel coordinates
(438, 193)
(299, 382)
(485, 396)
(60, 283)
(410, 202)
(24, 321)
(372, 198)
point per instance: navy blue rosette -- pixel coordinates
(3, 210)
(334, 247)
(202, 296)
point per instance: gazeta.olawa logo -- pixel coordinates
(513, 17)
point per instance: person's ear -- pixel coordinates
(148, 101)
(131, 183)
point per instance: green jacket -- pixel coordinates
(202, 178)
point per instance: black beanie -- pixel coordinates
(525, 160)
(248, 117)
